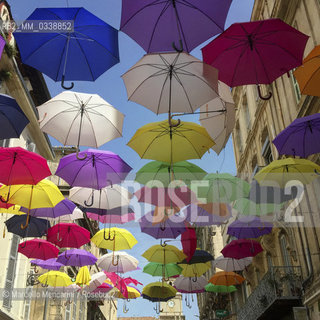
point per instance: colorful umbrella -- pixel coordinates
(76, 214)
(83, 276)
(239, 249)
(171, 82)
(49, 264)
(133, 293)
(307, 75)
(38, 249)
(82, 51)
(300, 138)
(12, 118)
(249, 227)
(159, 290)
(190, 285)
(231, 264)
(77, 258)
(218, 117)
(199, 256)
(162, 270)
(248, 207)
(68, 235)
(159, 25)
(255, 52)
(189, 242)
(55, 279)
(194, 269)
(224, 278)
(119, 215)
(20, 166)
(119, 262)
(279, 172)
(80, 119)
(118, 283)
(103, 288)
(99, 169)
(219, 289)
(11, 209)
(164, 254)
(97, 279)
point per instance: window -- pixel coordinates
(284, 251)
(68, 309)
(267, 152)
(5, 143)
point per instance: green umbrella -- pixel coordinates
(158, 269)
(219, 289)
(161, 171)
(223, 187)
(248, 207)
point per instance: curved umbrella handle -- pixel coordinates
(104, 235)
(79, 158)
(194, 279)
(27, 222)
(64, 87)
(163, 244)
(3, 200)
(268, 97)
(171, 124)
(113, 262)
(125, 309)
(92, 201)
(35, 269)
(24, 245)
(176, 48)
(114, 236)
(45, 115)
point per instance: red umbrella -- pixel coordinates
(68, 235)
(118, 282)
(239, 249)
(104, 288)
(38, 249)
(189, 242)
(131, 280)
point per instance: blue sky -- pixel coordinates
(110, 86)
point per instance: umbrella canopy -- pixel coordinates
(103, 288)
(156, 171)
(279, 172)
(199, 256)
(190, 285)
(162, 142)
(107, 198)
(114, 239)
(219, 289)
(80, 119)
(171, 82)
(97, 279)
(83, 276)
(83, 53)
(249, 227)
(49, 264)
(55, 279)
(248, 207)
(218, 117)
(38, 249)
(119, 262)
(133, 293)
(99, 169)
(11, 209)
(117, 215)
(230, 264)
(255, 52)
(118, 283)
(77, 258)
(20, 166)
(159, 290)
(166, 23)
(68, 235)
(194, 269)
(308, 74)
(224, 278)
(164, 255)
(300, 138)
(76, 214)
(189, 242)
(12, 118)
(239, 249)
(36, 227)
(162, 270)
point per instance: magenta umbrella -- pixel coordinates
(255, 52)
(119, 215)
(239, 249)
(38, 249)
(189, 242)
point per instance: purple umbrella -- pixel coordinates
(49, 264)
(301, 138)
(64, 207)
(97, 169)
(249, 227)
(160, 24)
(170, 228)
(77, 258)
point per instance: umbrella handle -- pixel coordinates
(113, 262)
(104, 235)
(163, 244)
(81, 158)
(91, 203)
(3, 200)
(125, 309)
(165, 279)
(35, 269)
(24, 245)
(268, 97)
(114, 236)
(44, 116)
(176, 48)
(194, 279)
(27, 222)
(44, 285)
(171, 124)
(63, 86)
(315, 171)
(162, 228)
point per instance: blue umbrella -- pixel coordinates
(36, 227)
(82, 47)
(12, 118)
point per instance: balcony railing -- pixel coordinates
(282, 285)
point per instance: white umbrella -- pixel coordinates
(119, 262)
(106, 198)
(190, 285)
(218, 117)
(230, 264)
(171, 82)
(75, 118)
(97, 279)
(76, 214)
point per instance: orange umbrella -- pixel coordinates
(308, 75)
(224, 278)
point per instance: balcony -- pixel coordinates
(277, 293)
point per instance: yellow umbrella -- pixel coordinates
(83, 276)
(133, 293)
(178, 142)
(12, 210)
(45, 194)
(55, 279)
(164, 254)
(114, 239)
(195, 269)
(159, 290)
(224, 278)
(279, 172)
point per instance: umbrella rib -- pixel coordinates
(185, 92)
(161, 92)
(86, 113)
(72, 123)
(263, 66)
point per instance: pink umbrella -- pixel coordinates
(68, 235)
(189, 242)
(38, 249)
(118, 282)
(239, 249)
(103, 288)
(115, 216)
(131, 280)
